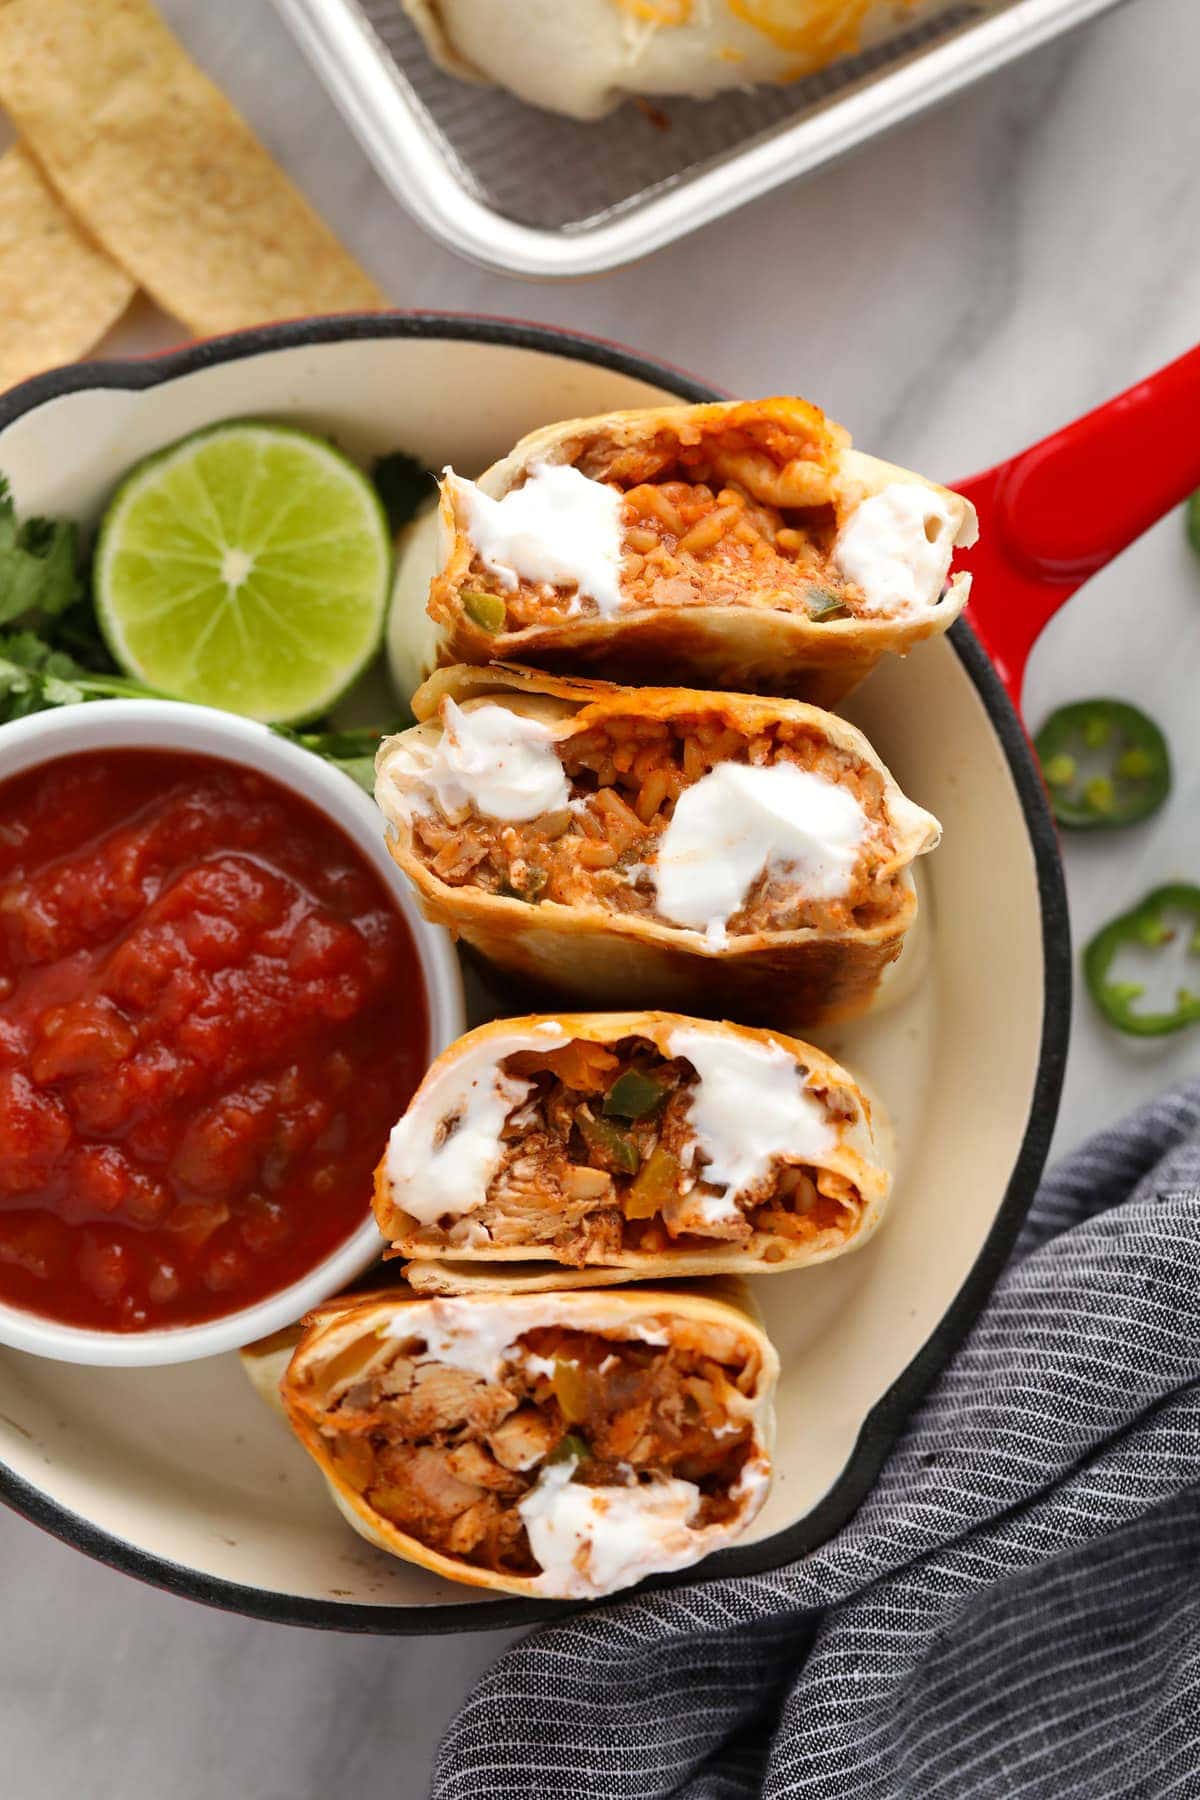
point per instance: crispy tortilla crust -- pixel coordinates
(791, 978)
(747, 648)
(856, 1156)
(264, 1361)
(337, 1324)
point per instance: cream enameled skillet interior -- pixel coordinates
(177, 1474)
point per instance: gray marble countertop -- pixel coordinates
(953, 293)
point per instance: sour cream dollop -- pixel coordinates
(482, 1336)
(559, 527)
(896, 547)
(591, 1540)
(444, 1151)
(751, 1104)
(741, 819)
(499, 762)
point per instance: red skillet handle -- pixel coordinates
(1052, 516)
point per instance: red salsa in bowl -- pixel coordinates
(211, 1014)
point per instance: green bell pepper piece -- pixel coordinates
(570, 1446)
(487, 610)
(633, 1095)
(616, 1152)
(821, 604)
(529, 889)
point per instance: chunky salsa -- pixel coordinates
(211, 1013)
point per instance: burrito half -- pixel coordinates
(592, 54)
(741, 545)
(556, 1445)
(647, 846)
(646, 1144)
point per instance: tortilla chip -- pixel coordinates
(59, 293)
(168, 176)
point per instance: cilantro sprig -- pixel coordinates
(51, 650)
(352, 751)
(403, 485)
(34, 676)
(39, 565)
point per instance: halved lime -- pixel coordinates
(246, 567)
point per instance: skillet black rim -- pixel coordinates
(883, 1424)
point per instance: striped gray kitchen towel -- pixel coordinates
(1015, 1610)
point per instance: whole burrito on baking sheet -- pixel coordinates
(651, 846)
(742, 546)
(629, 1145)
(592, 54)
(556, 1445)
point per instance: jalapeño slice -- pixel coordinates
(1148, 924)
(1191, 516)
(1104, 764)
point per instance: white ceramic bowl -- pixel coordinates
(166, 725)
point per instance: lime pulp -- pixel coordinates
(245, 567)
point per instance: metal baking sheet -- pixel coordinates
(533, 194)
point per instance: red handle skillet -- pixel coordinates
(167, 1473)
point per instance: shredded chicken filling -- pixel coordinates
(744, 518)
(625, 776)
(601, 1158)
(447, 1455)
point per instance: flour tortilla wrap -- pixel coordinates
(592, 54)
(706, 489)
(629, 1146)
(468, 1466)
(412, 637)
(264, 1364)
(607, 943)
